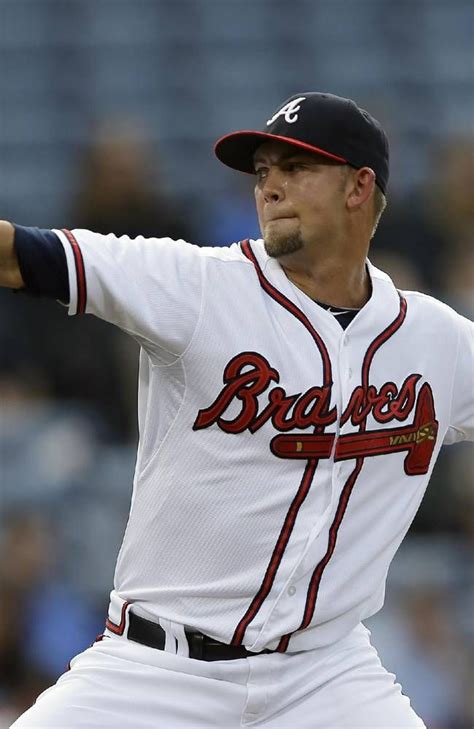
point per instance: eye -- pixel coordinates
(295, 166)
(261, 173)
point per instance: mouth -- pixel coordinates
(280, 217)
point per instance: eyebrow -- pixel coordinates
(284, 157)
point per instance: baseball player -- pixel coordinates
(292, 404)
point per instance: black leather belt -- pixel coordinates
(201, 646)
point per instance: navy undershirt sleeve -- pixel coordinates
(42, 263)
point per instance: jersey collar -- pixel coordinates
(375, 315)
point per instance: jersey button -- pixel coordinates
(291, 590)
(349, 372)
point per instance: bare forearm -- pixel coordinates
(10, 275)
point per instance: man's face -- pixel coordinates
(299, 196)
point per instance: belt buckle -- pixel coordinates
(196, 645)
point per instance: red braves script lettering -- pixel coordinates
(246, 377)
(249, 374)
(386, 404)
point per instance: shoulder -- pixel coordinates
(227, 254)
(151, 248)
(421, 304)
(209, 255)
(426, 305)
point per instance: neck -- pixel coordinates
(336, 282)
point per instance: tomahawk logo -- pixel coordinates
(249, 376)
(289, 111)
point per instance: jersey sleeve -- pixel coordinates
(462, 407)
(149, 287)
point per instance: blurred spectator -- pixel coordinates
(450, 188)
(44, 623)
(434, 229)
(121, 189)
(85, 359)
(436, 660)
(408, 236)
(45, 449)
(402, 270)
(461, 471)
(54, 461)
(63, 506)
(458, 286)
(420, 640)
(452, 211)
(80, 359)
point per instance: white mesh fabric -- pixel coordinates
(209, 505)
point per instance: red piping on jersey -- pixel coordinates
(311, 466)
(293, 309)
(278, 552)
(349, 485)
(80, 272)
(378, 341)
(113, 627)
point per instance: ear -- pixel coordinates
(362, 188)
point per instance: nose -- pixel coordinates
(273, 186)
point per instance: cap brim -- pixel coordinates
(237, 149)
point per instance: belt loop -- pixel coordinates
(122, 626)
(170, 638)
(182, 642)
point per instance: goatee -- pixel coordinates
(277, 246)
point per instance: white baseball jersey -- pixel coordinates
(281, 459)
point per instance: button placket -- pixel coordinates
(347, 374)
(346, 371)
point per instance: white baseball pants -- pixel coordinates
(118, 683)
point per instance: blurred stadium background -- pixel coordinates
(109, 109)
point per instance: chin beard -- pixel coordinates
(277, 246)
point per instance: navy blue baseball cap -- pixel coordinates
(322, 123)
